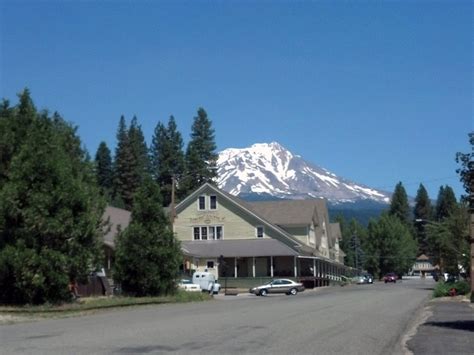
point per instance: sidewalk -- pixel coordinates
(449, 328)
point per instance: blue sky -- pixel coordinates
(376, 92)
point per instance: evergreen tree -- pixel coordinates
(14, 126)
(466, 170)
(422, 213)
(446, 203)
(167, 158)
(147, 254)
(449, 240)
(50, 212)
(104, 168)
(399, 206)
(391, 246)
(201, 158)
(139, 151)
(124, 167)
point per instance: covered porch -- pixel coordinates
(246, 261)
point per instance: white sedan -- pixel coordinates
(187, 285)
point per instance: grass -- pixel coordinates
(97, 303)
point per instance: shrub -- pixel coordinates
(442, 288)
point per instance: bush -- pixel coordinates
(32, 278)
(442, 288)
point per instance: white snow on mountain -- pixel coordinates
(270, 169)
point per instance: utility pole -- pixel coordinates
(172, 207)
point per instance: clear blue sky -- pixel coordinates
(376, 92)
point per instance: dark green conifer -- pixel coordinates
(446, 202)
(399, 206)
(167, 158)
(104, 168)
(147, 254)
(201, 156)
(422, 213)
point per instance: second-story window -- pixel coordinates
(208, 233)
(213, 202)
(260, 232)
(202, 203)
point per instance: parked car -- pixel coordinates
(207, 281)
(278, 286)
(390, 277)
(360, 279)
(188, 285)
(369, 279)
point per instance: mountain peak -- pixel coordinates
(270, 169)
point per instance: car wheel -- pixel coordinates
(263, 292)
(293, 291)
(386, 281)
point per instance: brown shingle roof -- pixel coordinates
(118, 218)
(289, 212)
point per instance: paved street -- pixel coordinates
(357, 319)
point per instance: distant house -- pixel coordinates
(292, 238)
(422, 266)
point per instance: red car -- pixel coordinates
(390, 277)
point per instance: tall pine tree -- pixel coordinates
(201, 156)
(167, 158)
(422, 213)
(147, 254)
(104, 168)
(399, 206)
(446, 202)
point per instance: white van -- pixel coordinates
(207, 281)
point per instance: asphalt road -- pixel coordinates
(357, 319)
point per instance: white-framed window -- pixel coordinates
(260, 231)
(208, 233)
(213, 202)
(202, 203)
(210, 264)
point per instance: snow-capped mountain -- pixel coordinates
(269, 169)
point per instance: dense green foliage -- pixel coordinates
(50, 208)
(390, 246)
(353, 243)
(399, 206)
(466, 170)
(422, 213)
(449, 241)
(201, 156)
(446, 203)
(167, 159)
(442, 289)
(147, 254)
(104, 168)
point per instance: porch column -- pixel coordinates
(108, 259)
(253, 266)
(271, 266)
(235, 268)
(314, 267)
(296, 269)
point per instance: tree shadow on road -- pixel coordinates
(467, 325)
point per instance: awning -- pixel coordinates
(236, 248)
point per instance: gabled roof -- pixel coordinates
(119, 219)
(289, 212)
(242, 205)
(335, 232)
